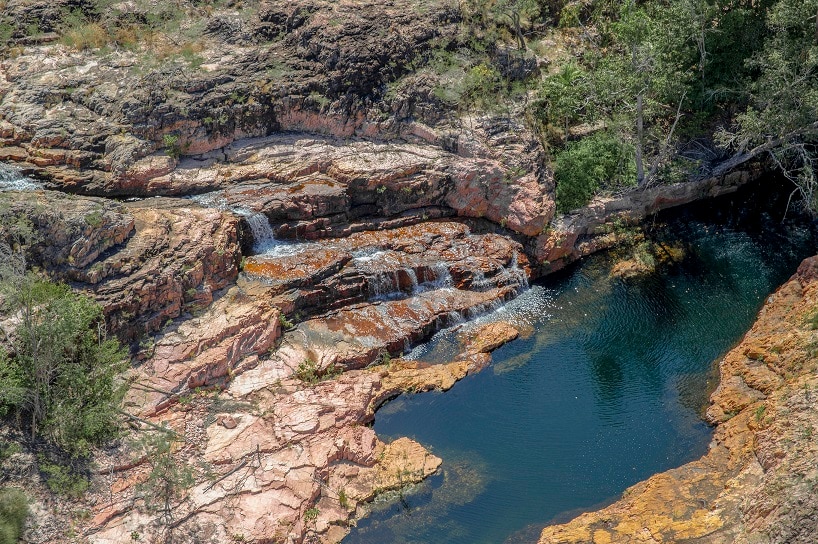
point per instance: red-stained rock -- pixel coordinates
(179, 255)
(487, 338)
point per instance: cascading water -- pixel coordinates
(264, 240)
(517, 274)
(12, 180)
(442, 277)
(510, 274)
(263, 236)
(386, 284)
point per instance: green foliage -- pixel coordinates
(759, 413)
(63, 379)
(62, 382)
(812, 319)
(343, 500)
(94, 219)
(308, 371)
(62, 480)
(13, 514)
(284, 322)
(80, 33)
(598, 162)
(172, 147)
(169, 478)
(7, 449)
(561, 96)
(311, 514)
(481, 86)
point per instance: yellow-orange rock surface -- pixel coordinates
(758, 481)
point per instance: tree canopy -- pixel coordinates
(59, 372)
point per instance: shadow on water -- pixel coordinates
(607, 390)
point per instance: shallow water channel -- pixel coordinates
(606, 389)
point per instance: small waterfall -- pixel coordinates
(479, 281)
(263, 235)
(413, 278)
(12, 180)
(510, 274)
(442, 278)
(485, 308)
(518, 273)
(264, 240)
(384, 285)
(387, 284)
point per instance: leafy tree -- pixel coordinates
(169, 478)
(563, 96)
(782, 118)
(60, 377)
(600, 161)
(517, 12)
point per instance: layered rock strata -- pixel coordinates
(287, 461)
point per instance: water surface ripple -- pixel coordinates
(607, 389)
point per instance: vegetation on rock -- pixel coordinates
(696, 86)
(59, 372)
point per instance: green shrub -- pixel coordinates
(598, 162)
(284, 322)
(80, 33)
(171, 142)
(169, 479)
(63, 481)
(63, 381)
(7, 449)
(311, 514)
(309, 372)
(13, 514)
(94, 219)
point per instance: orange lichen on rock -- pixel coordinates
(758, 476)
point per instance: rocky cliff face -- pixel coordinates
(269, 215)
(757, 481)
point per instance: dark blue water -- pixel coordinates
(606, 390)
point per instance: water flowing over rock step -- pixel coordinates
(357, 336)
(403, 284)
(311, 278)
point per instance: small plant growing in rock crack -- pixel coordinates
(171, 143)
(284, 322)
(385, 359)
(343, 500)
(759, 413)
(311, 514)
(309, 372)
(94, 219)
